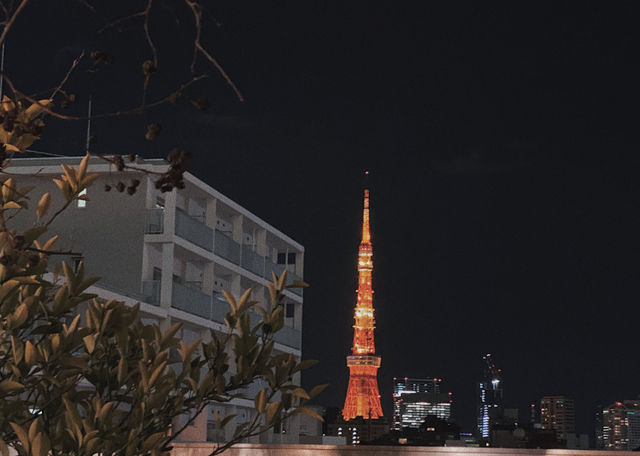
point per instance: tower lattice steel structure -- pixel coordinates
(363, 398)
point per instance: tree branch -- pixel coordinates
(197, 17)
(12, 19)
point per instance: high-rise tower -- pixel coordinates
(363, 398)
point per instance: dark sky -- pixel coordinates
(502, 139)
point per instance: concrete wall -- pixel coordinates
(200, 449)
(109, 231)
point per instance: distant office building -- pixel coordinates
(490, 407)
(557, 413)
(358, 430)
(621, 426)
(415, 399)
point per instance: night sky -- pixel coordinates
(502, 139)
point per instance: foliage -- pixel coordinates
(107, 383)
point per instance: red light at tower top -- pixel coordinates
(363, 397)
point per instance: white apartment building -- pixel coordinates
(174, 253)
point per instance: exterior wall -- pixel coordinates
(118, 261)
(339, 450)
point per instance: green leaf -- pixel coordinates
(22, 434)
(299, 392)
(34, 233)
(260, 401)
(307, 411)
(317, 390)
(19, 316)
(90, 342)
(273, 412)
(30, 354)
(10, 386)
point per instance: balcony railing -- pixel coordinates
(194, 230)
(253, 262)
(226, 247)
(154, 223)
(151, 292)
(291, 277)
(289, 336)
(191, 300)
(215, 308)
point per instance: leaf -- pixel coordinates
(305, 364)
(273, 412)
(260, 401)
(22, 435)
(11, 205)
(307, 411)
(317, 390)
(34, 233)
(82, 169)
(8, 187)
(151, 442)
(30, 354)
(36, 108)
(90, 342)
(19, 316)
(9, 386)
(299, 392)
(43, 205)
(231, 300)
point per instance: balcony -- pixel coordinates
(194, 230)
(151, 292)
(154, 223)
(253, 262)
(215, 308)
(191, 300)
(226, 247)
(290, 337)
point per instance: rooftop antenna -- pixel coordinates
(88, 125)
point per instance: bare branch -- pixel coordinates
(137, 110)
(197, 17)
(66, 77)
(54, 252)
(11, 20)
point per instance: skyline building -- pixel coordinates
(415, 399)
(557, 413)
(363, 396)
(490, 401)
(621, 426)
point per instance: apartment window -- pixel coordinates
(82, 203)
(76, 262)
(290, 310)
(287, 258)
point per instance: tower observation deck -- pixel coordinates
(363, 397)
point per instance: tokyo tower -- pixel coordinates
(363, 398)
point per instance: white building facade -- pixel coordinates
(174, 253)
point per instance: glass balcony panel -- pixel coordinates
(194, 230)
(291, 277)
(191, 300)
(253, 262)
(273, 267)
(219, 307)
(290, 337)
(155, 221)
(151, 292)
(227, 248)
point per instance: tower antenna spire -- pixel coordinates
(363, 397)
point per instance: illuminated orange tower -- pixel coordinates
(363, 398)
